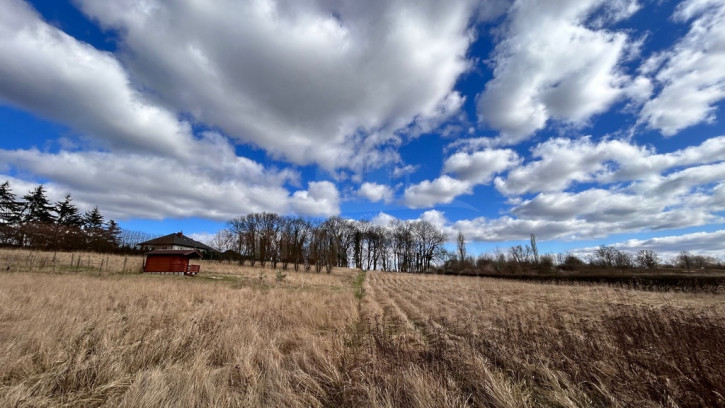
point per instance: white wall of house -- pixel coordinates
(175, 247)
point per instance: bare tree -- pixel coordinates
(647, 258)
(685, 260)
(461, 241)
(429, 240)
(534, 249)
(223, 240)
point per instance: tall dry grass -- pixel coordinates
(441, 341)
(27, 260)
(167, 341)
(241, 336)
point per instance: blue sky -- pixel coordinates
(584, 122)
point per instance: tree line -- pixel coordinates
(525, 259)
(32, 221)
(404, 246)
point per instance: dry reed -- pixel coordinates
(242, 336)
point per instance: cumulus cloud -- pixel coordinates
(690, 75)
(470, 169)
(616, 211)
(217, 184)
(551, 64)
(375, 192)
(311, 82)
(429, 193)
(45, 71)
(320, 199)
(693, 196)
(562, 162)
(480, 167)
(383, 220)
(633, 187)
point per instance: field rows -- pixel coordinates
(506, 343)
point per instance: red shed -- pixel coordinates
(171, 261)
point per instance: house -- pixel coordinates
(175, 261)
(176, 241)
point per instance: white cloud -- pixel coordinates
(435, 217)
(692, 196)
(471, 169)
(376, 192)
(405, 170)
(550, 65)
(215, 184)
(480, 167)
(50, 73)
(312, 82)
(429, 193)
(691, 74)
(383, 220)
(492, 9)
(320, 199)
(203, 237)
(563, 162)
(155, 167)
(616, 211)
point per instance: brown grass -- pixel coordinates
(230, 338)
(485, 342)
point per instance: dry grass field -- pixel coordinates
(96, 335)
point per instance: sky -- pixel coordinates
(584, 122)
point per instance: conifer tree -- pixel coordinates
(37, 207)
(68, 214)
(93, 226)
(113, 235)
(10, 215)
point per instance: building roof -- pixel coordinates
(188, 253)
(177, 239)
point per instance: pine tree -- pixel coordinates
(93, 220)
(10, 215)
(93, 226)
(68, 214)
(113, 235)
(37, 207)
(69, 235)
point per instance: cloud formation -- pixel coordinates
(560, 163)
(376, 192)
(46, 71)
(690, 75)
(551, 64)
(216, 184)
(469, 169)
(312, 82)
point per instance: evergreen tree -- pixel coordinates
(10, 215)
(37, 229)
(93, 226)
(113, 235)
(37, 207)
(69, 235)
(93, 220)
(68, 214)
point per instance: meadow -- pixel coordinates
(98, 333)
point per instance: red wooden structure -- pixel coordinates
(171, 261)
